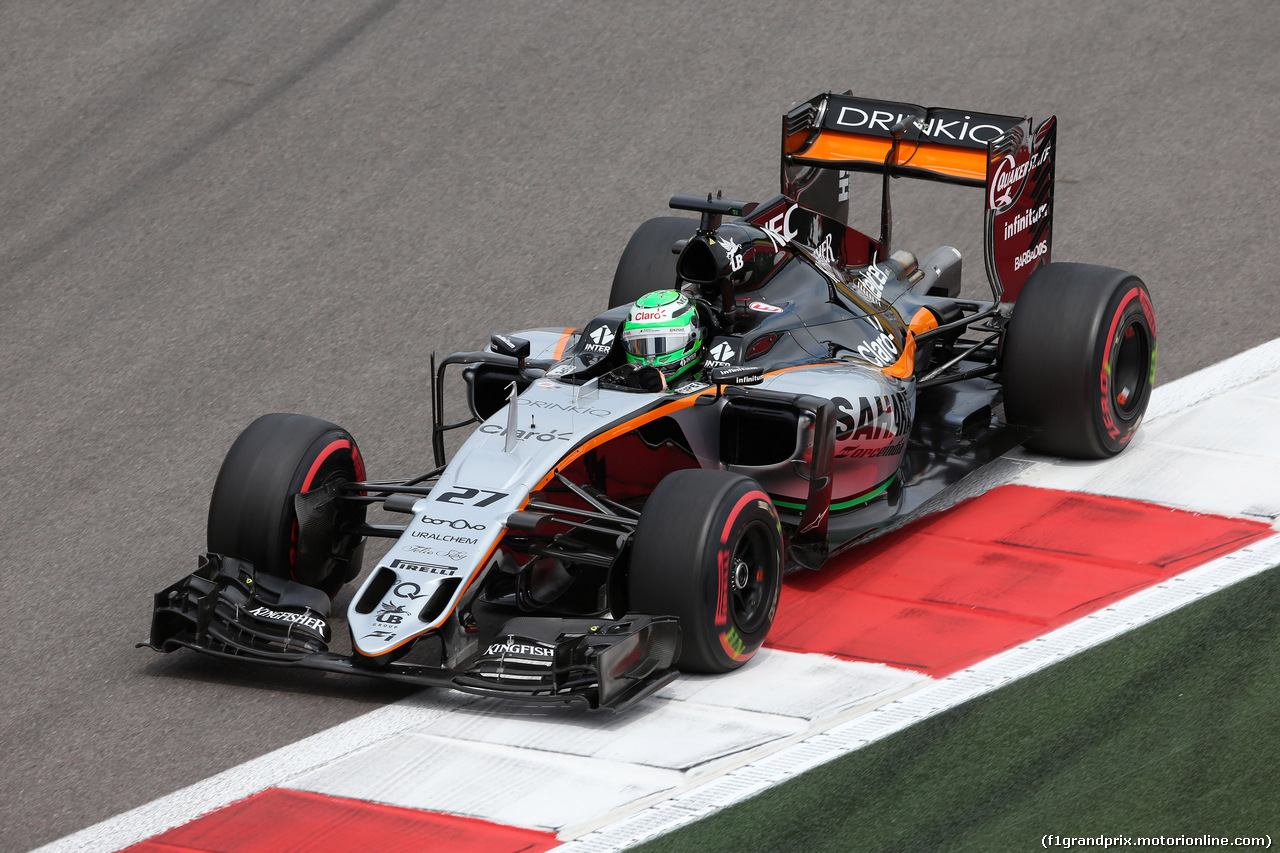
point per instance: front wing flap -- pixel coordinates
(223, 609)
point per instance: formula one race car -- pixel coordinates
(768, 388)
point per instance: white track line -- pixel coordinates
(548, 768)
(930, 700)
(1216, 379)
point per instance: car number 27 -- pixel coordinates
(467, 496)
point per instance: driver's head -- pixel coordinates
(663, 331)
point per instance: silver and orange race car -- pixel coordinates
(602, 528)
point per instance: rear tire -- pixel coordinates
(1079, 359)
(708, 550)
(252, 514)
(647, 264)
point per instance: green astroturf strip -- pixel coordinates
(1172, 729)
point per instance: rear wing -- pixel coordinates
(997, 153)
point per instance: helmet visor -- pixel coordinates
(651, 343)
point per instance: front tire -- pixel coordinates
(647, 264)
(708, 550)
(1079, 359)
(252, 513)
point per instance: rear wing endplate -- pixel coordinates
(997, 153)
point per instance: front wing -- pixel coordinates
(224, 609)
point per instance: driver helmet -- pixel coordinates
(662, 330)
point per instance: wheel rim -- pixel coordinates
(751, 578)
(1131, 370)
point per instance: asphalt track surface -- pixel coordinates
(209, 211)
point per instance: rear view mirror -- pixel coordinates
(517, 348)
(737, 375)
